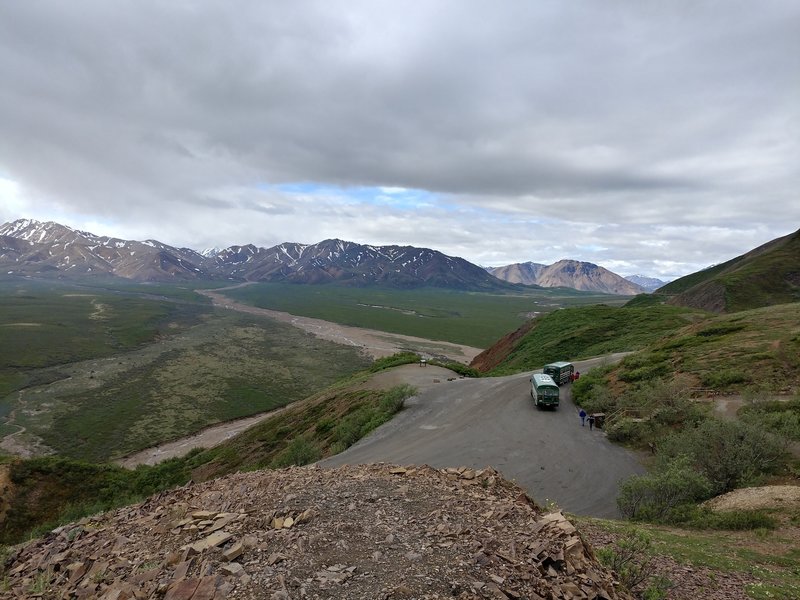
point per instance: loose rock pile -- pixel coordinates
(361, 532)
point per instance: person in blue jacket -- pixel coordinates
(582, 415)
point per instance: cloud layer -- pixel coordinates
(647, 137)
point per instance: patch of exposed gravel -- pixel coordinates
(768, 496)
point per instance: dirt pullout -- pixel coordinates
(492, 421)
(376, 344)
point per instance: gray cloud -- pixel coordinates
(617, 124)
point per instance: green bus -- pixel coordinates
(544, 390)
(561, 372)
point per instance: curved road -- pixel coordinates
(492, 422)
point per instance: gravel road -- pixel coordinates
(492, 422)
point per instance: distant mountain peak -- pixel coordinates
(650, 284)
(574, 274)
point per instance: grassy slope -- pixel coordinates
(765, 276)
(759, 347)
(51, 490)
(591, 331)
(771, 559)
(474, 319)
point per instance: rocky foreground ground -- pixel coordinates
(351, 533)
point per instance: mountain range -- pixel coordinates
(579, 275)
(29, 247)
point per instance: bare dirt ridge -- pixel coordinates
(376, 344)
(757, 498)
(378, 531)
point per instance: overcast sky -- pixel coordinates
(645, 136)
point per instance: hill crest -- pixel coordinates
(765, 276)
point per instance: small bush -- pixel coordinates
(299, 452)
(644, 373)
(394, 399)
(728, 453)
(660, 495)
(736, 520)
(324, 425)
(457, 367)
(724, 378)
(627, 431)
(782, 418)
(721, 329)
(364, 419)
(348, 432)
(631, 558)
(397, 359)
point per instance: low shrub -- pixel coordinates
(395, 360)
(394, 399)
(631, 558)
(300, 451)
(457, 367)
(724, 378)
(629, 431)
(735, 520)
(660, 495)
(728, 453)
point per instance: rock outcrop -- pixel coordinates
(373, 531)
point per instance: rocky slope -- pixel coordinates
(351, 533)
(574, 274)
(526, 273)
(30, 247)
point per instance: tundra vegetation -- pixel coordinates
(659, 399)
(475, 319)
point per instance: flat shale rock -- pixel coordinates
(356, 532)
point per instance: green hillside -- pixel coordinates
(766, 276)
(46, 491)
(726, 353)
(582, 332)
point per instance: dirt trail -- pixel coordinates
(375, 343)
